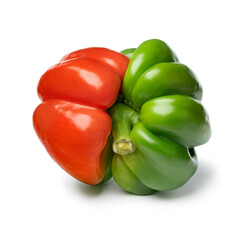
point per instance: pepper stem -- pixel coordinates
(123, 147)
(123, 120)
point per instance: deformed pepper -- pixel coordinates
(157, 117)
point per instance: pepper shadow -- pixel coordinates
(94, 190)
(198, 182)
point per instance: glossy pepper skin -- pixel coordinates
(157, 121)
(134, 115)
(72, 122)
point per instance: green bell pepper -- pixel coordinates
(157, 121)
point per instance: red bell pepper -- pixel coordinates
(71, 122)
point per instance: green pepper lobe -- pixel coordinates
(128, 52)
(157, 121)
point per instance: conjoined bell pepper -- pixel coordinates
(153, 126)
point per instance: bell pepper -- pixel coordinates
(146, 109)
(71, 122)
(157, 121)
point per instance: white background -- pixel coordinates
(39, 200)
